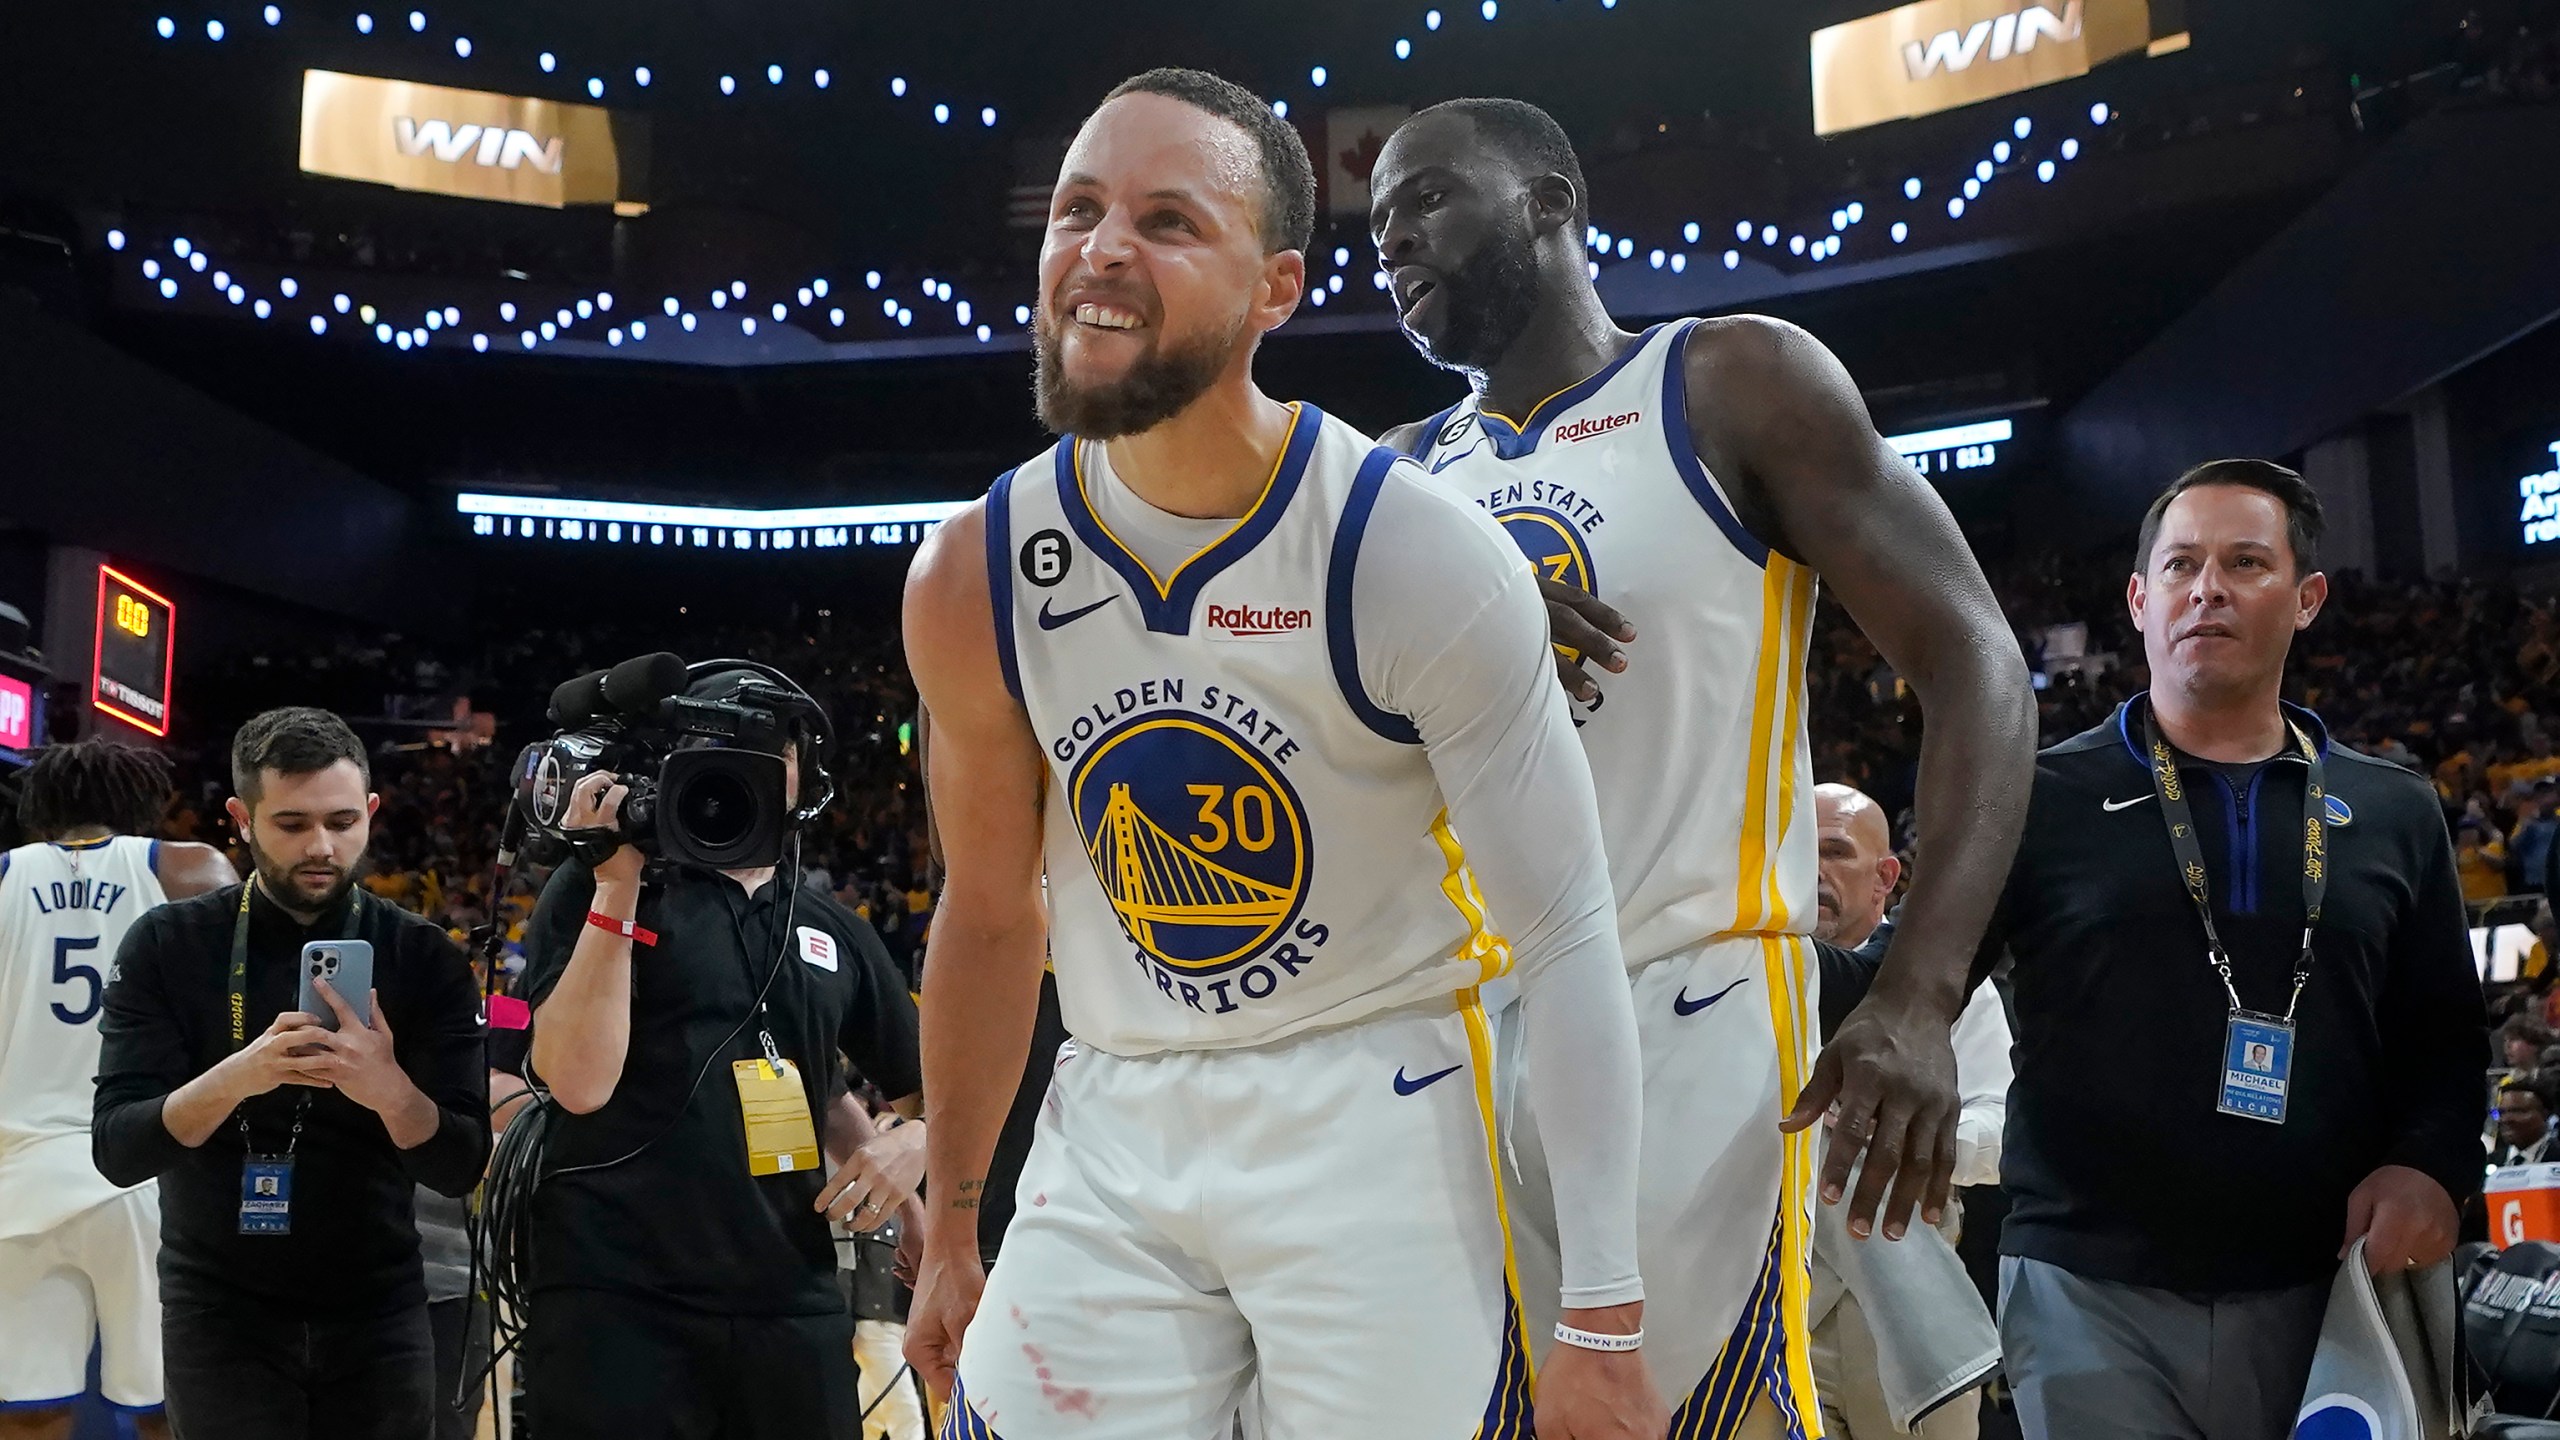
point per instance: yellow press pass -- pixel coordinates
(780, 1135)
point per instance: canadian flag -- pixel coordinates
(1353, 136)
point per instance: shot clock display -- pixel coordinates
(129, 675)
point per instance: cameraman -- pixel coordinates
(683, 1271)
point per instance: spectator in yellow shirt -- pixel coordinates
(2481, 860)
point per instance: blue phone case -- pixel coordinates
(348, 967)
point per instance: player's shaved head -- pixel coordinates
(1857, 868)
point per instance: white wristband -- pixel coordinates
(1594, 1340)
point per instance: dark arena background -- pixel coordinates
(415, 420)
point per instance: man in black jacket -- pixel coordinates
(2250, 1032)
(292, 1300)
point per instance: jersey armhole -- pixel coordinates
(1429, 435)
(1000, 578)
(150, 862)
(1684, 451)
(1341, 643)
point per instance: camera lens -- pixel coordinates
(717, 808)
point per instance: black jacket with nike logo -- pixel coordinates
(2120, 1166)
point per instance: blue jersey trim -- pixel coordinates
(1167, 605)
(153, 860)
(1513, 441)
(1000, 577)
(1339, 638)
(14, 1406)
(1429, 439)
(1684, 452)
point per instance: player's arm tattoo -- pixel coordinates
(969, 1191)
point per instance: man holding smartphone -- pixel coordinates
(288, 1144)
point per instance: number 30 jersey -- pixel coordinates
(1241, 843)
(1699, 749)
(63, 911)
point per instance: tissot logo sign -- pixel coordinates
(1938, 54)
(468, 142)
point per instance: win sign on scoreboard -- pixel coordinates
(130, 670)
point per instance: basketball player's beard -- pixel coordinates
(278, 881)
(1159, 384)
(1488, 300)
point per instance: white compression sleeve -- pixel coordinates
(1451, 633)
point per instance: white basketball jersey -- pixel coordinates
(1699, 751)
(1241, 844)
(63, 911)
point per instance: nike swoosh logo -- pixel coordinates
(2112, 806)
(1681, 1004)
(1407, 1087)
(1051, 620)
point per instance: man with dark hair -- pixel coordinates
(310, 1322)
(2524, 1123)
(77, 1252)
(1703, 474)
(1267, 1164)
(2263, 937)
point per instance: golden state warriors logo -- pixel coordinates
(1199, 842)
(1552, 543)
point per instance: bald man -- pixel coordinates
(1904, 1337)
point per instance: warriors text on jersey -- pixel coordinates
(1241, 844)
(63, 911)
(1699, 749)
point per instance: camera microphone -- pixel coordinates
(578, 701)
(635, 686)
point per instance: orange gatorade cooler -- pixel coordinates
(2524, 1203)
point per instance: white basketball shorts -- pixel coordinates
(1724, 1211)
(93, 1278)
(1318, 1219)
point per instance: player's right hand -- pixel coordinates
(1591, 1395)
(270, 1060)
(1583, 631)
(946, 1299)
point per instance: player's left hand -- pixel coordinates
(881, 1176)
(2404, 1217)
(358, 1058)
(1592, 1395)
(1887, 1085)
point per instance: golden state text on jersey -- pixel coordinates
(1241, 843)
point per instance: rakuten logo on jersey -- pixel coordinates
(1253, 622)
(1598, 425)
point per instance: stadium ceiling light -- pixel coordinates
(1901, 232)
(527, 339)
(462, 46)
(987, 116)
(506, 309)
(738, 289)
(1768, 234)
(905, 317)
(168, 28)
(1490, 9)
(272, 15)
(595, 88)
(1857, 211)
(150, 269)
(773, 74)
(818, 78)
(1333, 283)
(2044, 171)
(1955, 207)
(2023, 128)
(960, 312)
(2071, 149)
(1316, 77)
(1911, 188)
(319, 325)
(213, 30)
(1839, 219)
(365, 313)
(819, 286)
(1318, 297)
(1982, 170)
(806, 295)
(871, 279)
(452, 313)
(781, 312)
(1679, 263)
(1795, 244)
(728, 84)
(364, 26)
(195, 262)
(941, 114)
(640, 76)
(340, 303)
(1404, 49)
(181, 247)
(687, 322)
(289, 287)
(2000, 152)
(613, 336)
(898, 86)
(1655, 258)
(480, 344)
(1626, 248)
(639, 329)
(1973, 189)
(418, 22)
(1594, 267)
(1732, 259)
(115, 239)
(984, 334)
(168, 289)
(2098, 113)
(835, 317)
(549, 62)
(719, 299)
(1021, 314)
(549, 330)
(1431, 20)
(1280, 108)
(604, 300)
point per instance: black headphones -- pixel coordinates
(817, 785)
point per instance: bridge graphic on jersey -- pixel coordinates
(1155, 879)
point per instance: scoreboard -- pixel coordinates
(129, 672)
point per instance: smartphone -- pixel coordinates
(348, 967)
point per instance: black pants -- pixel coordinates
(600, 1365)
(248, 1371)
(461, 1329)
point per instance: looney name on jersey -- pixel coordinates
(60, 895)
(1201, 845)
(1595, 426)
